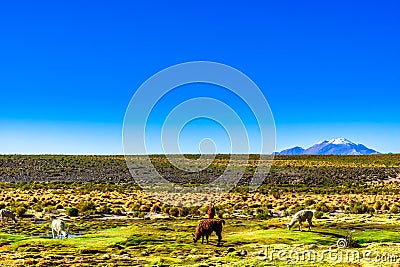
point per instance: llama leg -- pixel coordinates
(202, 239)
(52, 231)
(309, 225)
(300, 227)
(219, 238)
(207, 238)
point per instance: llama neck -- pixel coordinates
(292, 222)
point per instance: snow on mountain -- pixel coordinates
(337, 146)
(340, 141)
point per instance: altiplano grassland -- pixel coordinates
(168, 242)
(113, 223)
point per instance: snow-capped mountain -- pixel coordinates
(338, 146)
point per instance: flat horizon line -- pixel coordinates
(158, 154)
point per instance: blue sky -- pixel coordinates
(69, 69)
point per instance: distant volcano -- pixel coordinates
(338, 146)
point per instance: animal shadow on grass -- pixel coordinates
(329, 234)
(212, 243)
(221, 244)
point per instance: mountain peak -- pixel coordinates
(340, 141)
(337, 146)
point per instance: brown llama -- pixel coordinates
(211, 211)
(206, 227)
(5, 213)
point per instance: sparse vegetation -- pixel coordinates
(346, 192)
(318, 214)
(72, 211)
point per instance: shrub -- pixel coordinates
(20, 211)
(165, 208)
(276, 194)
(318, 214)
(135, 206)
(350, 241)
(73, 212)
(37, 208)
(16, 204)
(184, 211)
(49, 208)
(394, 209)
(105, 208)
(309, 202)
(204, 208)
(155, 208)
(248, 211)
(384, 207)
(86, 206)
(48, 203)
(174, 211)
(144, 208)
(377, 205)
(321, 206)
(117, 211)
(262, 214)
(194, 210)
(359, 209)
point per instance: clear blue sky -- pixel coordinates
(69, 68)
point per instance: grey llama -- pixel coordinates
(300, 217)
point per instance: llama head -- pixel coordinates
(195, 238)
(65, 233)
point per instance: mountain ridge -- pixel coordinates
(337, 146)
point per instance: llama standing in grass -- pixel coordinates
(205, 229)
(300, 217)
(58, 227)
(5, 213)
(211, 211)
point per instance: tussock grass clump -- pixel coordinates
(309, 202)
(174, 211)
(72, 211)
(105, 209)
(322, 206)
(318, 214)
(359, 208)
(20, 211)
(394, 209)
(87, 206)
